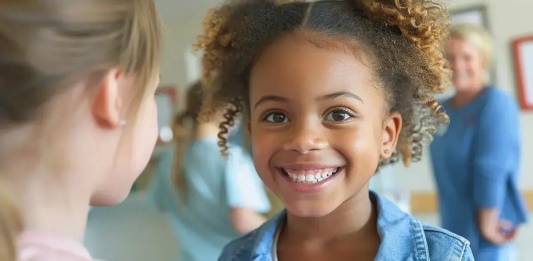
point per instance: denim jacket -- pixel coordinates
(403, 238)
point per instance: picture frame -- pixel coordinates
(169, 90)
(475, 14)
(522, 49)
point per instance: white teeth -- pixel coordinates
(310, 178)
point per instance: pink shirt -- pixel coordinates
(39, 247)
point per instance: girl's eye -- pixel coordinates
(339, 115)
(276, 117)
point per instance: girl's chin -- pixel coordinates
(309, 209)
(462, 86)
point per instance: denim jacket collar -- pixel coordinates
(402, 237)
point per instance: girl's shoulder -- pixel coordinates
(208, 147)
(256, 244)
(39, 247)
(444, 245)
(402, 238)
(498, 97)
(238, 156)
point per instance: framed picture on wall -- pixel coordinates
(523, 61)
(473, 15)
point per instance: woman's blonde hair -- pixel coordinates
(480, 38)
(48, 45)
(10, 225)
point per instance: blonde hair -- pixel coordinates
(10, 225)
(480, 38)
(46, 46)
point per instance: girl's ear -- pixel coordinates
(107, 105)
(392, 127)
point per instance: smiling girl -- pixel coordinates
(331, 91)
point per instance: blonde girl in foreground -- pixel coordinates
(78, 120)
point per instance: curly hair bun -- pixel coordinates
(424, 23)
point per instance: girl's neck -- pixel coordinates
(48, 204)
(353, 220)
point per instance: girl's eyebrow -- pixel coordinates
(330, 96)
(341, 94)
(269, 98)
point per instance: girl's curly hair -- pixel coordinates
(405, 38)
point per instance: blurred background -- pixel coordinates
(136, 231)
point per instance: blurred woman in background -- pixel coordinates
(212, 199)
(476, 159)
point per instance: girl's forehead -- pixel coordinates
(290, 63)
(293, 73)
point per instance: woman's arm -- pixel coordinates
(467, 254)
(496, 148)
(246, 193)
(493, 229)
(245, 220)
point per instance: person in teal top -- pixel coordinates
(476, 159)
(212, 199)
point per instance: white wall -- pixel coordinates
(179, 35)
(508, 19)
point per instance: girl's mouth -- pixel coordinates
(310, 176)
